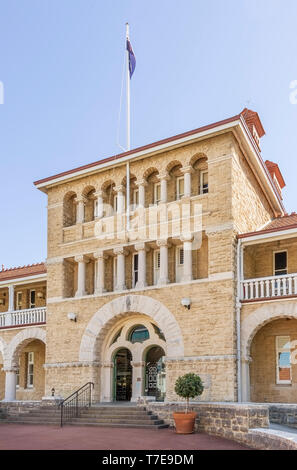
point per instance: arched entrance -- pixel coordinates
(155, 373)
(122, 382)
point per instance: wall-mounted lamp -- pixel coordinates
(53, 392)
(72, 316)
(40, 295)
(186, 303)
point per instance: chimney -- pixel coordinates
(276, 176)
(254, 125)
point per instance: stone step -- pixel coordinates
(116, 425)
(117, 420)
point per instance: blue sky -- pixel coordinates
(197, 62)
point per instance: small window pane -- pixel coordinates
(139, 334)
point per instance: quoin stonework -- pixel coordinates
(203, 280)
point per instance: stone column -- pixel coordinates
(163, 179)
(137, 380)
(141, 249)
(10, 384)
(121, 199)
(106, 381)
(11, 298)
(187, 180)
(120, 253)
(100, 271)
(187, 246)
(81, 275)
(163, 245)
(99, 205)
(245, 380)
(141, 192)
(80, 211)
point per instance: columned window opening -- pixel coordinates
(69, 209)
(203, 182)
(180, 191)
(135, 269)
(157, 193)
(89, 204)
(156, 266)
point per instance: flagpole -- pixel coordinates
(128, 129)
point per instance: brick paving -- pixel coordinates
(37, 437)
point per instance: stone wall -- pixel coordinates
(232, 421)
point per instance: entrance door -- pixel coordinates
(155, 374)
(122, 375)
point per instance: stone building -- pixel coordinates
(191, 267)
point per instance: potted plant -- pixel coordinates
(187, 386)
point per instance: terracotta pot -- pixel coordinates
(184, 422)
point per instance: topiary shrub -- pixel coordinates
(188, 386)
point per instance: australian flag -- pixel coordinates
(132, 60)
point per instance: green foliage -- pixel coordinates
(189, 386)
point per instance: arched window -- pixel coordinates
(139, 334)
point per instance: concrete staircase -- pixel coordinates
(111, 416)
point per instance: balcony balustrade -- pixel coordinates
(269, 287)
(26, 317)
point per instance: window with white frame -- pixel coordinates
(19, 297)
(180, 187)
(156, 266)
(203, 182)
(283, 360)
(157, 193)
(30, 370)
(179, 269)
(135, 269)
(280, 263)
(32, 298)
(135, 198)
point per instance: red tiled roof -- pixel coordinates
(285, 222)
(22, 271)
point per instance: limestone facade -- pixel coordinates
(190, 198)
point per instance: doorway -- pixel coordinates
(122, 375)
(155, 373)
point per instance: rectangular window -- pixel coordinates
(180, 191)
(180, 256)
(32, 298)
(283, 360)
(157, 193)
(203, 182)
(30, 370)
(280, 263)
(156, 266)
(135, 269)
(19, 300)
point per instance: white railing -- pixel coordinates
(267, 287)
(23, 317)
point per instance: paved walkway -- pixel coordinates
(36, 437)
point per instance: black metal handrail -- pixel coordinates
(71, 406)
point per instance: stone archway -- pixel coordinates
(104, 317)
(261, 316)
(249, 328)
(19, 341)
